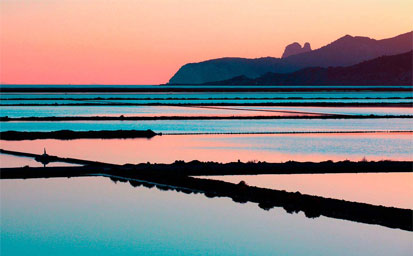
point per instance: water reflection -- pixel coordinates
(9, 161)
(228, 148)
(219, 126)
(388, 189)
(42, 111)
(89, 216)
(100, 102)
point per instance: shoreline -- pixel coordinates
(153, 118)
(194, 88)
(198, 168)
(70, 135)
(148, 134)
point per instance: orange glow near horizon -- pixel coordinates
(145, 42)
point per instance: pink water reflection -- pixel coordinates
(9, 161)
(227, 148)
(388, 189)
(379, 110)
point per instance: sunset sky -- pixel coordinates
(146, 41)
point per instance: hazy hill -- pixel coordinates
(224, 68)
(345, 51)
(350, 50)
(385, 70)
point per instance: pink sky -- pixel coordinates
(146, 41)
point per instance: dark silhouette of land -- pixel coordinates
(177, 176)
(345, 51)
(385, 70)
(295, 48)
(50, 158)
(197, 88)
(70, 135)
(197, 168)
(311, 206)
(131, 134)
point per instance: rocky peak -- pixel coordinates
(307, 47)
(295, 48)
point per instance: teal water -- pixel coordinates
(234, 97)
(42, 111)
(94, 216)
(219, 126)
(200, 101)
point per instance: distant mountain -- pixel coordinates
(345, 51)
(224, 68)
(295, 48)
(350, 50)
(385, 70)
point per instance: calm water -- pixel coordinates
(94, 216)
(220, 126)
(208, 97)
(388, 189)
(228, 148)
(41, 111)
(202, 101)
(25, 111)
(343, 110)
(8, 161)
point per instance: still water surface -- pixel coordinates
(388, 189)
(94, 216)
(227, 148)
(10, 161)
(43, 111)
(219, 126)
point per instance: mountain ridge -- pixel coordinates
(345, 51)
(384, 70)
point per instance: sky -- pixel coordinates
(146, 41)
